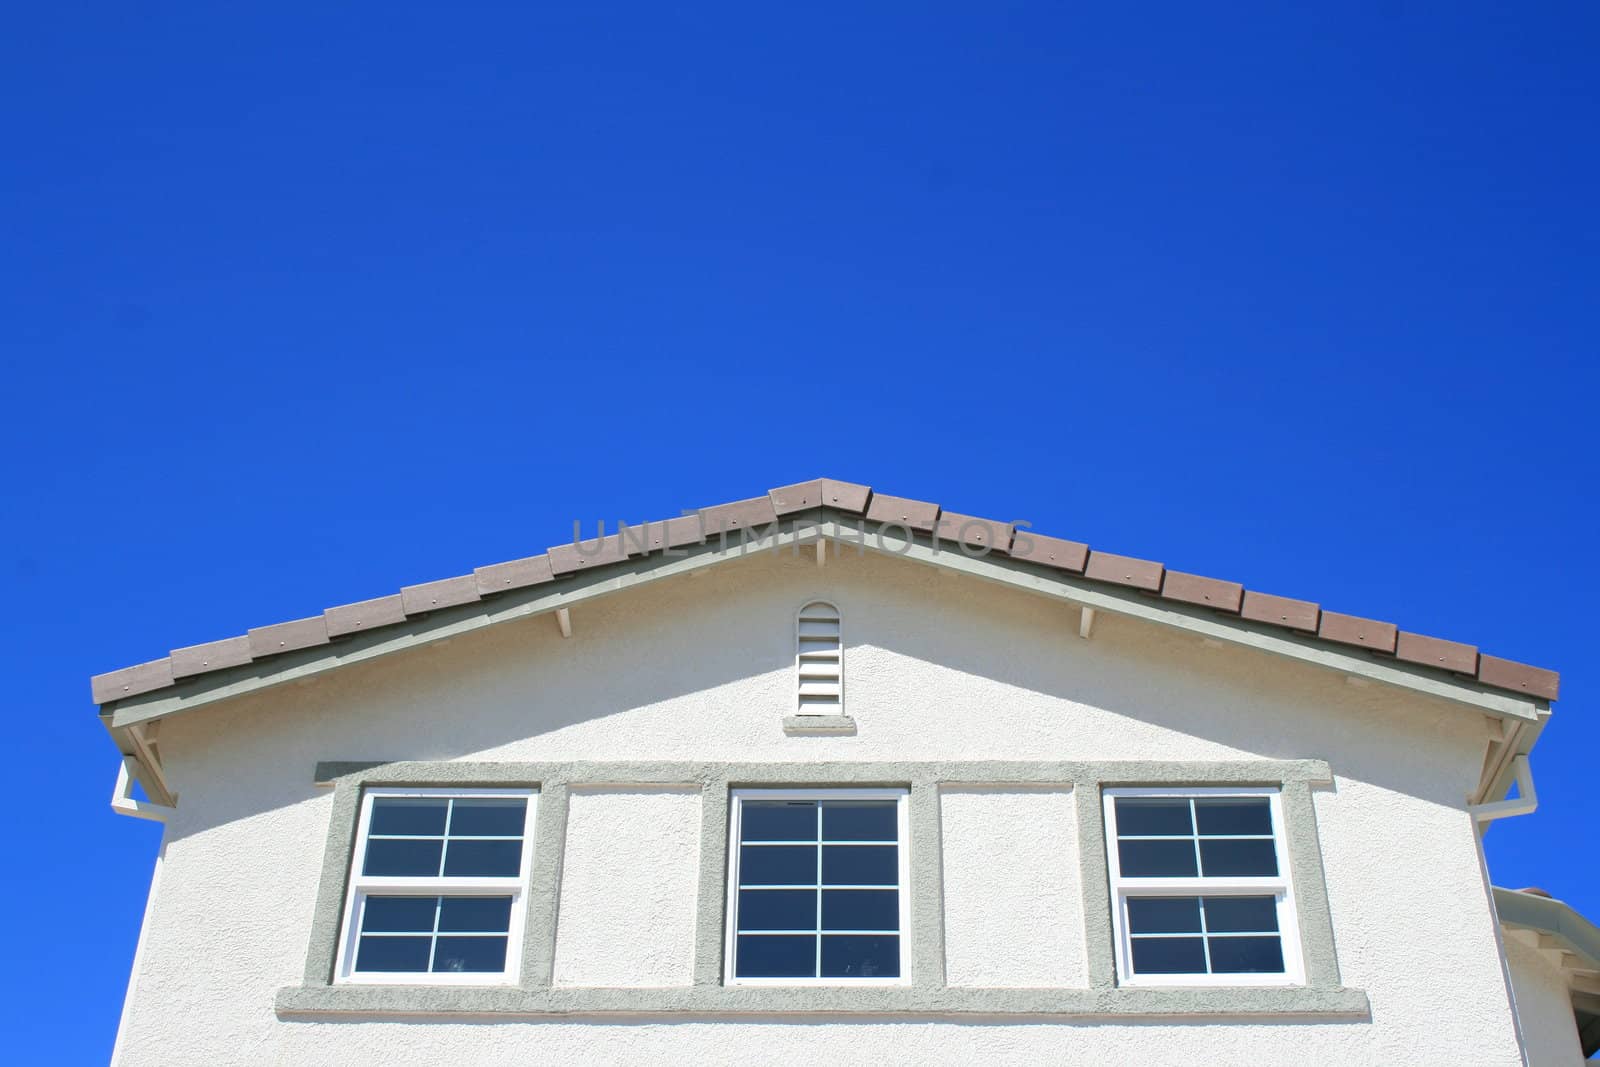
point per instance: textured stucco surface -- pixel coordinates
(628, 882)
(1013, 916)
(941, 668)
(1544, 1006)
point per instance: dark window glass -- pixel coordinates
(1169, 955)
(777, 909)
(488, 817)
(860, 957)
(778, 820)
(1250, 915)
(475, 914)
(1233, 815)
(392, 954)
(398, 915)
(1156, 859)
(1246, 955)
(860, 865)
(860, 909)
(860, 820)
(470, 954)
(483, 859)
(1164, 915)
(775, 956)
(778, 865)
(412, 816)
(402, 857)
(1152, 816)
(1237, 858)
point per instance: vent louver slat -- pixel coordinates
(819, 660)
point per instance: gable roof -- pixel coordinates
(1302, 619)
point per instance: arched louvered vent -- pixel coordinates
(819, 660)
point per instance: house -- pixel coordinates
(833, 776)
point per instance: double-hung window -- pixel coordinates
(436, 886)
(1200, 887)
(817, 887)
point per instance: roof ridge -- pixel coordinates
(982, 536)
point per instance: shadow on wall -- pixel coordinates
(711, 657)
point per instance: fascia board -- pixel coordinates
(579, 588)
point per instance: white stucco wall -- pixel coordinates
(1013, 915)
(939, 667)
(1544, 1006)
(629, 880)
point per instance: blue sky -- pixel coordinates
(1306, 299)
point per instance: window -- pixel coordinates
(1200, 887)
(817, 887)
(819, 660)
(436, 886)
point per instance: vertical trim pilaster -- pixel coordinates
(1094, 874)
(544, 889)
(927, 885)
(712, 901)
(1310, 885)
(323, 950)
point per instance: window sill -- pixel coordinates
(481, 1001)
(818, 724)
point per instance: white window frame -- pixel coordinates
(362, 886)
(1280, 886)
(902, 829)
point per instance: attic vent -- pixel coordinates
(819, 660)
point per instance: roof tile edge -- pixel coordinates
(1304, 617)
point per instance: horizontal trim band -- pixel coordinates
(458, 1001)
(885, 772)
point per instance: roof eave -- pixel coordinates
(889, 538)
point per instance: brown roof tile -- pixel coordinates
(1354, 630)
(1124, 570)
(1436, 652)
(644, 538)
(820, 492)
(366, 615)
(1049, 551)
(739, 515)
(444, 593)
(1508, 674)
(131, 681)
(974, 532)
(898, 510)
(848, 497)
(513, 574)
(212, 656)
(1280, 611)
(586, 556)
(788, 499)
(1207, 592)
(288, 636)
(685, 530)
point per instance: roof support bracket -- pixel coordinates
(122, 799)
(564, 620)
(1085, 622)
(1526, 800)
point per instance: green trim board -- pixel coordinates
(365, 1002)
(927, 994)
(888, 538)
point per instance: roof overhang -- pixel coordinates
(1572, 942)
(1522, 717)
(889, 539)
